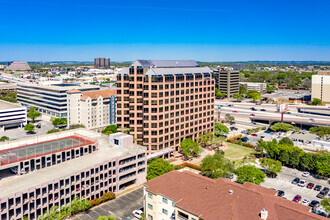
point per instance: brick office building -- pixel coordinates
(163, 102)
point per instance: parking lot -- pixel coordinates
(121, 208)
(283, 182)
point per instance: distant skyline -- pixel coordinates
(123, 30)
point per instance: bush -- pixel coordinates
(4, 138)
(52, 131)
(190, 165)
(74, 126)
(235, 139)
(249, 145)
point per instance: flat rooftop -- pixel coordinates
(27, 152)
(8, 105)
(106, 152)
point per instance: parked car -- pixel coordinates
(305, 202)
(314, 203)
(244, 139)
(270, 174)
(310, 185)
(321, 195)
(137, 213)
(302, 183)
(295, 181)
(297, 198)
(318, 212)
(280, 193)
(38, 126)
(317, 188)
(305, 174)
(252, 115)
(255, 135)
(235, 112)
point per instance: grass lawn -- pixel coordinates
(236, 151)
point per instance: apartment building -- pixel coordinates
(163, 102)
(321, 86)
(102, 63)
(49, 99)
(55, 168)
(227, 81)
(193, 197)
(94, 109)
(259, 87)
(12, 115)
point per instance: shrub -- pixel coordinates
(249, 145)
(190, 165)
(52, 131)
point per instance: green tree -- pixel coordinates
(217, 165)
(320, 131)
(106, 218)
(205, 139)
(29, 128)
(280, 126)
(316, 101)
(325, 202)
(253, 94)
(286, 141)
(33, 113)
(4, 138)
(284, 157)
(242, 90)
(53, 131)
(270, 88)
(272, 165)
(110, 129)
(189, 148)
(158, 167)
(237, 96)
(217, 93)
(249, 173)
(294, 158)
(220, 129)
(229, 118)
(59, 122)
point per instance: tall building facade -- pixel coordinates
(102, 63)
(227, 81)
(163, 102)
(321, 86)
(94, 109)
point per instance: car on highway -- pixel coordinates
(310, 185)
(305, 202)
(252, 115)
(314, 203)
(297, 198)
(263, 110)
(235, 111)
(255, 135)
(295, 181)
(280, 193)
(230, 105)
(318, 188)
(302, 183)
(137, 213)
(305, 174)
(253, 109)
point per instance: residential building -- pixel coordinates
(56, 168)
(49, 99)
(163, 102)
(259, 87)
(18, 66)
(12, 115)
(94, 109)
(102, 63)
(227, 81)
(321, 86)
(189, 196)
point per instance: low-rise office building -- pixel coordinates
(259, 87)
(227, 81)
(74, 163)
(49, 99)
(94, 109)
(321, 86)
(7, 87)
(12, 115)
(189, 196)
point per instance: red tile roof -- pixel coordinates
(210, 199)
(95, 94)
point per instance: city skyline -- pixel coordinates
(204, 31)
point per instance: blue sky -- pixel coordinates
(236, 30)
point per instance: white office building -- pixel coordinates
(259, 87)
(12, 115)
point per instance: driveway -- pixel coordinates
(120, 207)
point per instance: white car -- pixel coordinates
(305, 202)
(137, 213)
(302, 183)
(305, 174)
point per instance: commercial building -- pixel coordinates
(94, 109)
(189, 196)
(7, 87)
(102, 63)
(163, 102)
(49, 99)
(227, 81)
(18, 66)
(259, 87)
(56, 168)
(12, 115)
(321, 86)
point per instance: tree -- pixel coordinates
(33, 113)
(270, 88)
(242, 90)
(237, 96)
(29, 128)
(110, 129)
(249, 173)
(158, 167)
(286, 141)
(320, 131)
(271, 165)
(217, 93)
(229, 118)
(217, 165)
(59, 122)
(189, 148)
(284, 157)
(74, 126)
(253, 94)
(106, 218)
(205, 139)
(316, 101)
(280, 126)
(325, 202)
(4, 138)
(220, 129)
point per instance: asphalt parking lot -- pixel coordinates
(121, 208)
(283, 182)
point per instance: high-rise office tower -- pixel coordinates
(102, 63)
(227, 81)
(163, 102)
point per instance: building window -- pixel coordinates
(173, 204)
(150, 217)
(165, 211)
(165, 200)
(150, 195)
(150, 206)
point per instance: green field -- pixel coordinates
(236, 151)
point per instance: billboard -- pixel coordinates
(282, 107)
